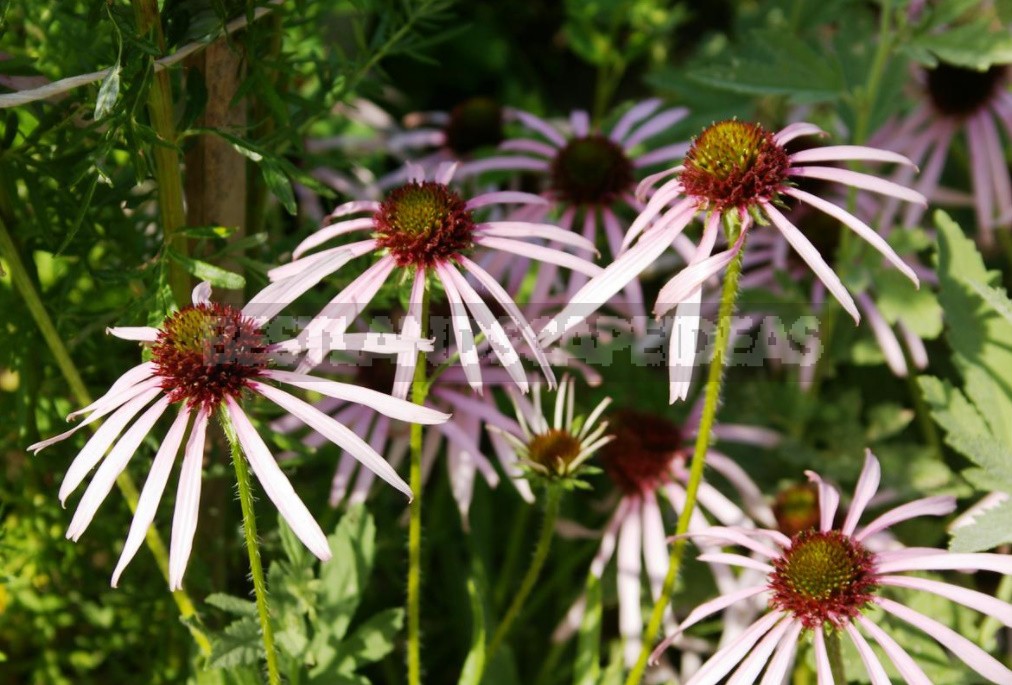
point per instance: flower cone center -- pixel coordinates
(639, 458)
(733, 164)
(474, 124)
(592, 170)
(206, 352)
(554, 450)
(961, 92)
(423, 224)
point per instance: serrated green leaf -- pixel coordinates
(232, 604)
(974, 45)
(215, 275)
(343, 578)
(294, 549)
(238, 645)
(989, 529)
(108, 93)
(474, 664)
(371, 641)
(900, 301)
(293, 641)
(996, 297)
(587, 664)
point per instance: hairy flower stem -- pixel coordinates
(419, 392)
(714, 381)
(30, 296)
(249, 526)
(835, 654)
(167, 170)
(553, 500)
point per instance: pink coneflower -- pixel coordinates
(591, 180)
(647, 463)
(208, 357)
(824, 580)
(422, 229)
(738, 171)
(955, 99)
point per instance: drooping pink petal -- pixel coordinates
(579, 122)
(111, 467)
(867, 486)
(184, 518)
(383, 403)
(99, 443)
(708, 609)
(636, 114)
(667, 153)
(112, 396)
(736, 536)
(796, 130)
(524, 229)
(781, 661)
(505, 197)
(887, 341)
(655, 545)
(654, 218)
(829, 501)
(750, 494)
(983, 198)
(608, 538)
(151, 494)
(940, 505)
(465, 442)
(444, 172)
(353, 207)
(823, 670)
(872, 665)
(630, 618)
(858, 180)
(730, 656)
(537, 124)
(464, 336)
(969, 653)
(866, 233)
(811, 255)
(326, 233)
(139, 333)
(992, 606)
(907, 667)
(201, 293)
(658, 123)
(999, 563)
(277, 487)
(999, 172)
(735, 560)
(539, 252)
(411, 327)
(838, 153)
(682, 346)
(750, 668)
(692, 277)
(530, 146)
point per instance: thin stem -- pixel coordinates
(249, 525)
(874, 82)
(167, 170)
(715, 379)
(554, 498)
(419, 392)
(29, 295)
(927, 425)
(835, 654)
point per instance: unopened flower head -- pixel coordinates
(825, 580)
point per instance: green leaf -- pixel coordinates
(294, 549)
(900, 301)
(371, 641)
(108, 93)
(344, 577)
(293, 640)
(996, 297)
(474, 664)
(217, 276)
(209, 232)
(989, 529)
(587, 665)
(279, 184)
(974, 45)
(232, 604)
(238, 645)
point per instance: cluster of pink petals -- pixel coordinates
(771, 642)
(669, 212)
(141, 387)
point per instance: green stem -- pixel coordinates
(419, 392)
(990, 624)
(509, 566)
(835, 654)
(870, 94)
(249, 525)
(168, 177)
(554, 499)
(29, 295)
(715, 379)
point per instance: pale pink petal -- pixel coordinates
(112, 396)
(823, 670)
(855, 179)
(748, 435)
(992, 606)
(383, 403)
(287, 271)
(325, 233)
(461, 469)
(735, 536)
(735, 560)
(151, 494)
(506, 302)
(866, 233)
(807, 252)
(692, 277)
(750, 494)
(636, 114)
(671, 188)
(410, 327)
(201, 293)
(730, 656)
(983, 198)
(579, 122)
(139, 333)
(540, 253)
(445, 171)
(872, 665)
(654, 218)
(829, 500)
(353, 207)
(658, 123)
(655, 545)
(939, 505)
(867, 486)
(524, 229)
(527, 145)
(465, 442)
(750, 668)
(273, 481)
(969, 653)
(464, 336)
(99, 443)
(999, 563)
(682, 346)
(184, 518)
(918, 353)
(111, 467)
(796, 130)
(999, 172)
(668, 153)
(630, 618)
(832, 153)
(506, 164)
(505, 197)
(720, 507)
(709, 608)
(887, 341)
(608, 538)
(781, 661)
(538, 124)
(907, 667)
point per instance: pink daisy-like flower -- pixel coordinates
(207, 357)
(953, 100)
(741, 171)
(591, 180)
(647, 463)
(823, 580)
(422, 229)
